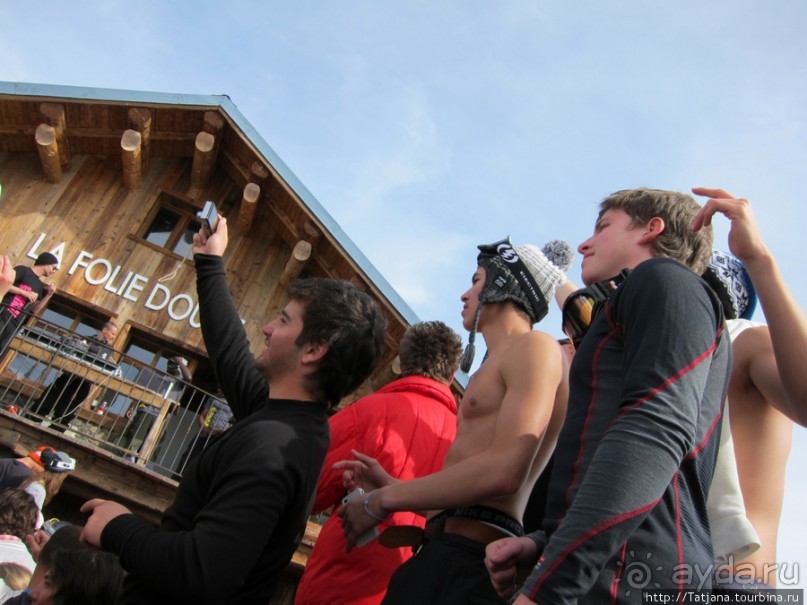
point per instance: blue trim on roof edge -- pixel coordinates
(225, 103)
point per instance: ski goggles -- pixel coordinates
(582, 306)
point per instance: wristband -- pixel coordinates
(370, 513)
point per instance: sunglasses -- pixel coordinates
(582, 306)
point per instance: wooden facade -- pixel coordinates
(95, 222)
(92, 175)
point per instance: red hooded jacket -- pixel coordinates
(408, 426)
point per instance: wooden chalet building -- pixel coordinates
(110, 182)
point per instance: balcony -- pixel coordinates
(104, 399)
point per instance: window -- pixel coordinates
(146, 351)
(72, 317)
(174, 224)
(140, 351)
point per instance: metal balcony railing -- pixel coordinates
(94, 394)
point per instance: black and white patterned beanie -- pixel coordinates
(729, 279)
(523, 274)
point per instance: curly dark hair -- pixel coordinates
(18, 513)
(677, 210)
(338, 314)
(431, 349)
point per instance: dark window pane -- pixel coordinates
(162, 227)
(57, 317)
(85, 329)
(141, 354)
(186, 241)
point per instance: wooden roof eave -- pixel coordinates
(282, 173)
(330, 233)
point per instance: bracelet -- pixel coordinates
(370, 513)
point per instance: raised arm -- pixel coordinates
(40, 304)
(787, 322)
(243, 385)
(182, 366)
(29, 294)
(563, 291)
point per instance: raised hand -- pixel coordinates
(745, 238)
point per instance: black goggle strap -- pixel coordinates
(578, 311)
(582, 306)
(504, 250)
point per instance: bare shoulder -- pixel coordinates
(753, 334)
(532, 351)
(535, 345)
(750, 344)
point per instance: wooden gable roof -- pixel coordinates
(197, 147)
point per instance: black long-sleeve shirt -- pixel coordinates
(241, 507)
(626, 510)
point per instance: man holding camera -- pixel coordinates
(243, 502)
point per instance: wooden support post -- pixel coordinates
(299, 256)
(140, 120)
(259, 173)
(54, 115)
(48, 152)
(156, 430)
(294, 266)
(246, 213)
(206, 153)
(204, 160)
(213, 123)
(130, 153)
(309, 232)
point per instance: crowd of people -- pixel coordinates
(656, 434)
(44, 562)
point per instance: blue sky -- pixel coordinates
(426, 128)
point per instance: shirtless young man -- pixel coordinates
(507, 426)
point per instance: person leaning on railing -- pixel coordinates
(26, 295)
(63, 397)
